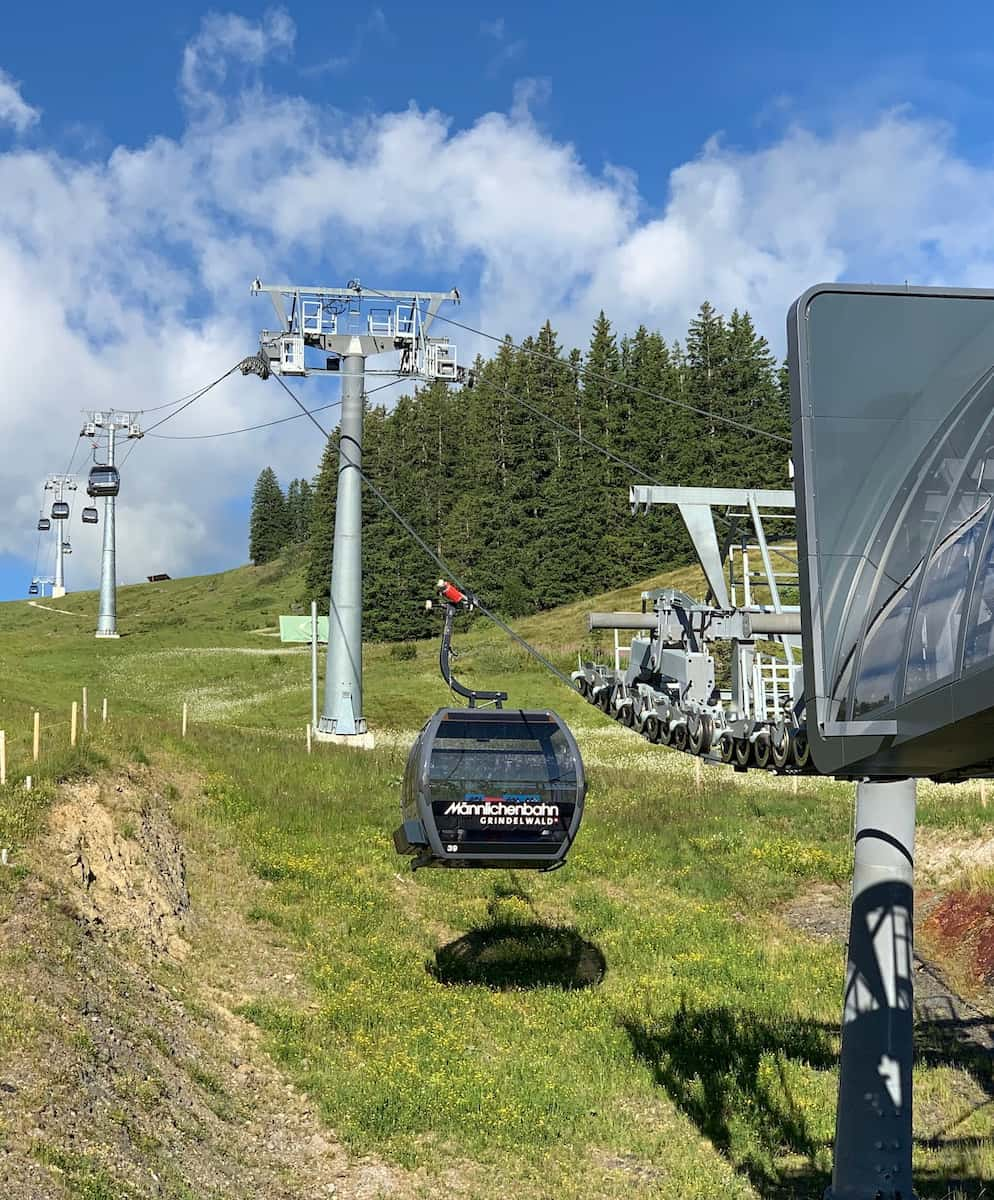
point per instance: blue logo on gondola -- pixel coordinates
(505, 798)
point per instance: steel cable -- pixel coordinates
(436, 558)
(620, 383)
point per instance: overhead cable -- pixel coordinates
(436, 558)
(599, 375)
(198, 437)
(194, 398)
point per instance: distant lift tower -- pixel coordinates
(104, 481)
(342, 327)
(59, 485)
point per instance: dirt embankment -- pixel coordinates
(125, 1070)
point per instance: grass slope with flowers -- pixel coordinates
(642, 1023)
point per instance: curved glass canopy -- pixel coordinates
(892, 393)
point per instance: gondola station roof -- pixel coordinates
(894, 452)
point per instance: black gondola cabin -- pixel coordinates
(60, 511)
(89, 516)
(44, 524)
(104, 480)
(491, 788)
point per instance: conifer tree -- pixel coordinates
(268, 525)
(529, 514)
(706, 370)
(322, 526)
(298, 503)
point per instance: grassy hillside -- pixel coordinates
(645, 1022)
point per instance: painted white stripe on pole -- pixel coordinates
(314, 664)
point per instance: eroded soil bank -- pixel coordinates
(126, 1070)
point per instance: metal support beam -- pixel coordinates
(700, 525)
(107, 616)
(640, 495)
(742, 623)
(873, 1140)
(333, 330)
(342, 713)
(59, 485)
(110, 421)
(59, 586)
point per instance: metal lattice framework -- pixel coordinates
(667, 683)
(353, 320)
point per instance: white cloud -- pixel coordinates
(227, 40)
(124, 281)
(373, 25)
(14, 109)
(509, 48)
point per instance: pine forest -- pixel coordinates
(505, 480)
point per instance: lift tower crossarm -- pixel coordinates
(333, 320)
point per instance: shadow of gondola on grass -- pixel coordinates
(518, 955)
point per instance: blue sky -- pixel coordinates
(548, 159)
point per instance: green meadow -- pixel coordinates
(644, 1022)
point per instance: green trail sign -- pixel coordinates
(298, 629)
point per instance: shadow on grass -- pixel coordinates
(730, 1072)
(511, 955)
(727, 1071)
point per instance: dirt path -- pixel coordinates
(49, 608)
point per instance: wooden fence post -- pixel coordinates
(72, 723)
(3, 757)
(983, 792)
(86, 712)
(308, 739)
(184, 718)
(105, 710)
(36, 741)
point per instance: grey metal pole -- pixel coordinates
(873, 1124)
(107, 618)
(59, 587)
(314, 665)
(342, 715)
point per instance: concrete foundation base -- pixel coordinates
(58, 593)
(101, 634)
(357, 741)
